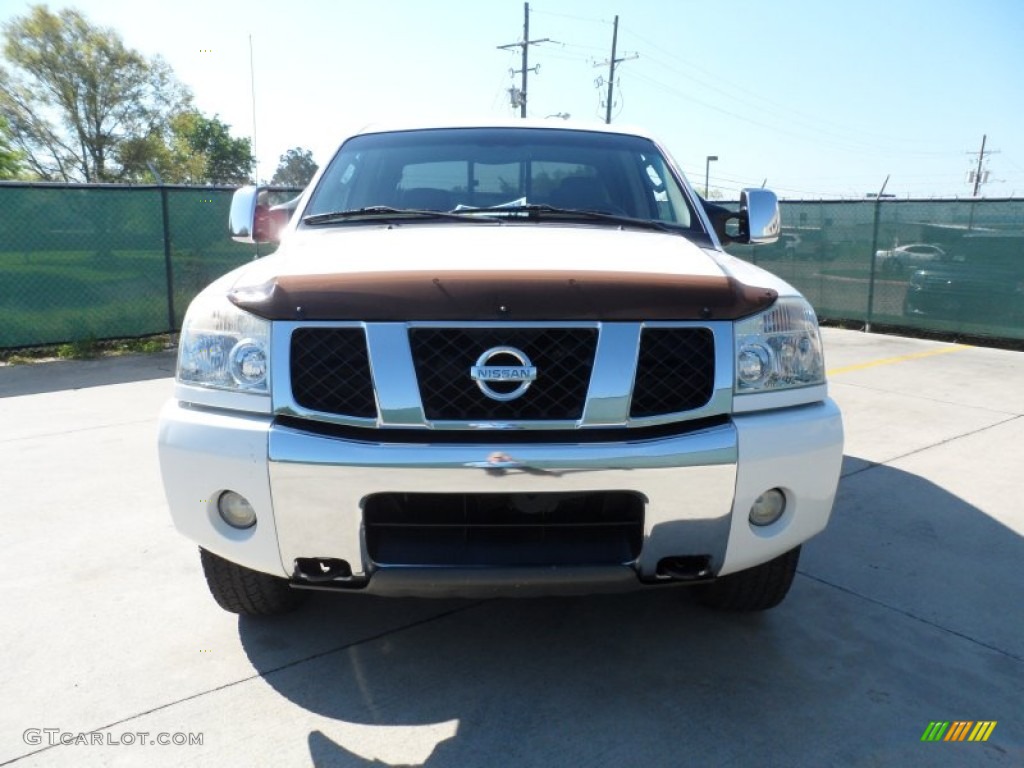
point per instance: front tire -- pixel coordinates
(247, 592)
(755, 589)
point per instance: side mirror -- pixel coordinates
(254, 220)
(757, 222)
(243, 214)
(759, 210)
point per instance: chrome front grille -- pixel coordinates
(418, 375)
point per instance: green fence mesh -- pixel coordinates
(79, 262)
(954, 266)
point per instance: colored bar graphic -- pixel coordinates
(959, 730)
(982, 730)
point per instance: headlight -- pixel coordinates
(224, 347)
(779, 349)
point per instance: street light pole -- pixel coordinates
(707, 171)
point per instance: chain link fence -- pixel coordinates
(108, 261)
(936, 265)
(103, 261)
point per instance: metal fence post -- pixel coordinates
(168, 266)
(874, 257)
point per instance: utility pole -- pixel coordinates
(611, 69)
(980, 179)
(525, 45)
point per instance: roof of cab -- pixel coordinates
(505, 122)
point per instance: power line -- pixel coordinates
(573, 18)
(868, 140)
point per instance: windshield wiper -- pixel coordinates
(535, 211)
(387, 212)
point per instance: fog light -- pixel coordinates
(236, 510)
(768, 507)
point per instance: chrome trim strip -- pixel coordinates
(394, 376)
(611, 378)
(707, 447)
(503, 425)
(505, 324)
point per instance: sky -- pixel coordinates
(815, 98)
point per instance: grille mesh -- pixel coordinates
(330, 371)
(675, 371)
(443, 357)
(515, 529)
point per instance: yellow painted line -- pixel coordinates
(899, 359)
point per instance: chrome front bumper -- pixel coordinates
(308, 488)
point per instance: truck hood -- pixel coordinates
(478, 271)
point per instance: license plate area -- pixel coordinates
(503, 529)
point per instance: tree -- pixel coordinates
(195, 150)
(75, 95)
(10, 158)
(204, 151)
(295, 168)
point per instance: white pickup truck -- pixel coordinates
(500, 359)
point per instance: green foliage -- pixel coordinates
(203, 151)
(87, 349)
(83, 349)
(295, 169)
(194, 150)
(10, 158)
(75, 94)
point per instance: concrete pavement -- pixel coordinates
(908, 609)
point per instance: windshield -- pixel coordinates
(502, 169)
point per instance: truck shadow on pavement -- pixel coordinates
(904, 611)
